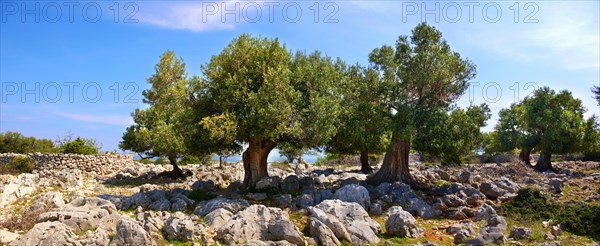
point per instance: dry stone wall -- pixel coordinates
(48, 164)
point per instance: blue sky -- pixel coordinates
(88, 63)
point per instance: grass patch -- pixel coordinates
(283, 165)
(301, 221)
(23, 221)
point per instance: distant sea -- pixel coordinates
(274, 156)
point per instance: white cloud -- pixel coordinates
(192, 16)
(100, 119)
(567, 35)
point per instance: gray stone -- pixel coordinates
(556, 184)
(6, 237)
(257, 196)
(100, 237)
(453, 201)
(304, 200)
(322, 233)
(323, 195)
(178, 227)
(233, 206)
(402, 223)
(160, 205)
(353, 193)
(217, 218)
(258, 222)
(138, 199)
(47, 233)
(83, 214)
(16, 188)
(130, 232)
(268, 182)
(484, 212)
(291, 184)
(375, 208)
(283, 200)
(348, 221)
(520, 233)
(491, 190)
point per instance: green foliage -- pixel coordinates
(363, 122)
(18, 165)
(189, 159)
(146, 161)
(161, 161)
(452, 136)
(596, 91)
(531, 205)
(421, 74)
(15, 142)
(590, 144)
(198, 195)
(263, 94)
(80, 146)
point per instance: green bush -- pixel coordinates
(531, 205)
(146, 161)
(80, 146)
(161, 160)
(189, 159)
(17, 165)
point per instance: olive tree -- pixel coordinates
(266, 96)
(510, 133)
(157, 129)
(555, 123)
(424, 75)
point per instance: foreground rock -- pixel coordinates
(353, 193)
(401, 223)
(130, 232)
(401, 194)
(230, 205)
(22, 185)
(83, 214)
(47, 233)
(346, 221)
(259, 223)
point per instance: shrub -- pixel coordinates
(189, 159)
(531, 205)
(146, 161)
(18, 165)
(80, 146)
(161, 160)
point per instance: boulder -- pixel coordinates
(130, 232)
(305, 200)
(401, 223)
(401, 194)
(178, 227)
(47, 233)
(137, 199)
(283, 200)
(353, 193)
(83, 214)
(152, 222)
(233, 206)
(22, 185)
(520, 233)
(161, 205)
(321, 233)
(6, 237)
(291, 184)
(265, 182)
(491, 190)
(556, 185)
(348, 221)
(259, 222)
(100, 237)
(218, 218)
(484, 212)
(453, 201)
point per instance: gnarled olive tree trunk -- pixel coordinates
(176, 172)
(395, 164)
(544, 163)
(525, 156)
(255, 162)
(364, 162)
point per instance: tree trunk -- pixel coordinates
(221, 161)
(544, 163)
(177, 172)
(395, 164)
(525, 156)
(255, 162)
(364, 162)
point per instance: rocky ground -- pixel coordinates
(298, 205)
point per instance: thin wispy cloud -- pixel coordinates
(117, 120)
(191, 16)
(566, 35)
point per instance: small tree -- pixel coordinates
(424, 75)
(451, 136)
(157, 129)
(80, 146)
(364, 127)
(510, 133)
(555, 123)
(590, 145)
